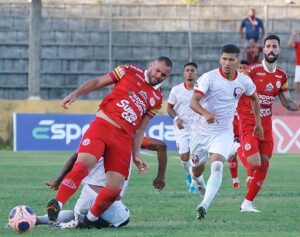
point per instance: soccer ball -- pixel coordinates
(22, 218)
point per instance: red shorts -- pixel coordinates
(114, 144)
(251, 144)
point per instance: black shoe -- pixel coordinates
(99, 223)
(53, 209)
(201, 212)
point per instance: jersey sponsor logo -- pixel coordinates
(269, 87)
(265, 112)
(247, 146)
(285, 86)
(260, 74)
(136, 68)
(144, 95)
(155, 95)
(195, 159)
(138, 102)
(86, 142)
(278, 84)
(266, 99)
(69, 183)
(120, 71)
(139, 76)
(237, 92)
(278, 76)
(152, 101)
(129, 115)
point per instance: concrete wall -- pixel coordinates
(75, 40)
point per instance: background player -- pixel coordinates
(270, 82)
(215, 100)
(182, 114)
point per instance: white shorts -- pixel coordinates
(116, 214)
(297, 73)
(182, 141)
(202, 145)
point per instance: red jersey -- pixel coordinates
(268, 86)
(297, 51)
(132, 97)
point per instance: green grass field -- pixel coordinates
(168, 213)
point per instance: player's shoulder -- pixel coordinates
(254, 67)
(281, 71)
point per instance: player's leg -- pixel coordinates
(116, 162)
(219, 150)
(90, 150)
(233, 164)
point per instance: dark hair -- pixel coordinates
(167, 61)
(272, 37)
(231, 48)
(191, 64)
(243, 61)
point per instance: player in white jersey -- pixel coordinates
(180, 111)
(215, 100)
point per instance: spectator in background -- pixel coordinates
(253, 51)
(294, 42)
(251, 28)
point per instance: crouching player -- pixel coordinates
(117, 214)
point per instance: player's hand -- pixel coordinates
(141, 165)
(52, 185)
(210, 118)
(259, 131)
(159, 183)
(68, 100)
(179, 123)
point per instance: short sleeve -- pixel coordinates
(249, 86)
(118, 73)
(202, 84)
(172, 97)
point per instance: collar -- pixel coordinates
(147, 80)
(263, 62)
(223, 75)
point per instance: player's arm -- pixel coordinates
(287, 102)
(137, 141)
(86, 88)
(195, 105)
(161, 148)
(256, 111)
(174, 116)
(291, 41)
(66, 169)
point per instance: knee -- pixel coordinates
(197, 171)
(185, 157)
(217, 166)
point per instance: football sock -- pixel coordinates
(71, 182)
(257, 181)
(213, 183)
(198, 180)
(105, 198)
(233, 167)
(186, 165)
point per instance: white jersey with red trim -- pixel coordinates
(132, 97)
(180, 97)
(220, 97)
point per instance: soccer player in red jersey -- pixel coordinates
(270, 82)
(116, 133)
(233, 161)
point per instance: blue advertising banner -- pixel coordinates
(44, 132)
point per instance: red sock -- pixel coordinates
(233, 167)
(257, 181)
(105, 198)
(71, 182)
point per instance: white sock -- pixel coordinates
(213, 183)
(198, 180)
(60, 204)
(186, 165)
(235, 180)
(246, 202)
(65, 216)
(91, 216)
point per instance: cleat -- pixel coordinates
(192, 189)
(248, 208)
(99, 223)
(188, 180)
(235, 184)
(248, 181)
(53, 210)
(201, 212)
